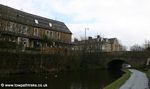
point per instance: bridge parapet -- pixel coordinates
(136, 59)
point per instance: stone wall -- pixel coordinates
(30, 62)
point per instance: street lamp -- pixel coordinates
(85, 32)
(85, 39)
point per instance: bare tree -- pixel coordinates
(136, 47)
(123, 48)
(147, 45)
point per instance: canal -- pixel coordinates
(95, 79)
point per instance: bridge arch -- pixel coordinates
(116, 64)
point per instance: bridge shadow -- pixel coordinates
(115, 67)
(116, 64)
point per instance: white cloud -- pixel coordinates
(128, 20)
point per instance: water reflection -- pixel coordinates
(95, 79)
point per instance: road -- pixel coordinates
(137, 80)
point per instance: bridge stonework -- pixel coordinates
(136, 59)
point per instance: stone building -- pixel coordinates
(32, 31)
(98, 44)
(110, 45)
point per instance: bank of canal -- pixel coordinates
(120, 81)
(95, 79)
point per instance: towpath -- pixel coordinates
(137, 80)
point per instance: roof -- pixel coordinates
(18, 16)
(111, 40)
(96, 40)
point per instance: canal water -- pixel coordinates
(96, 79)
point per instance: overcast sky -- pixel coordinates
(127, 20)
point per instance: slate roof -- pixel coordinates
(95, 40)
(111, 40)
(21, 17)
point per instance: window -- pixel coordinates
(10, 28)
(25, 42)
(50, 24)
(35, 32)
(23, 29)
(58, 35)
(14, 27)
(47, 33)
(36, 21)
(51, 34)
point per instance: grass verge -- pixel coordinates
(146, 71)
(148, 74)
(116, 84)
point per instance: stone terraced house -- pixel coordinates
(32, 31)
(98, 44)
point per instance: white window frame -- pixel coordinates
(50, 24)
(36, 21)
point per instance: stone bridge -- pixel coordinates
(135, 59)
(107, 59)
